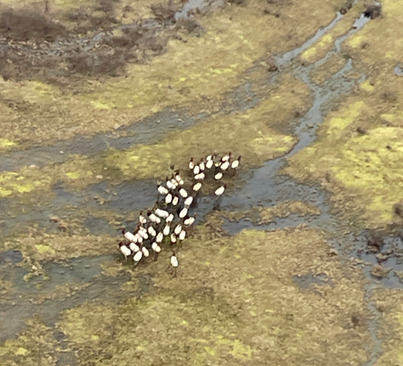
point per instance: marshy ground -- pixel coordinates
(302, 264)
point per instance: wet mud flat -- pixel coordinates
(281, 253)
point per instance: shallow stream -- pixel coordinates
(82, 279)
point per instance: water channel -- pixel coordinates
(262, 187)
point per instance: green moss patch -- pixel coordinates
(321, 47)
(42, 247)
(35, 346)
(248, 134)
(357, 153)
(251, 134)
(234, 301)
(26, 180)
(380, 39)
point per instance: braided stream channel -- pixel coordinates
(278, 252)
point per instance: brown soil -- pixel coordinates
(25, 26)
(38, 46)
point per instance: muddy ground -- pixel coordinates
(301, 265)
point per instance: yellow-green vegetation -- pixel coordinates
(265, 215)
(378, 42)
(319, 49)
(35, 346)
(358, 153)
(390, 327)
(329, 68)
(234, 302)
(192, 75)
(61, 292)
(356, 159)
(24, 181)
(248, 133)
(6, 144)
(287, 208)
(371, 167)
(251, 134)
(78, 172)
(44, 247)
